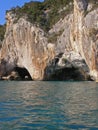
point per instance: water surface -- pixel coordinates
(48, 105)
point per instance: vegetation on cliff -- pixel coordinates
(2, 32)
(45, 14)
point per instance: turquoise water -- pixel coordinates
(48, 105)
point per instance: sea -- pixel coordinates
(48, 105)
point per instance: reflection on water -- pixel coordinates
(48, 106)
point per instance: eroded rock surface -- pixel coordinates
(73, 56)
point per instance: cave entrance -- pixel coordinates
(69, 74)
(23, 73)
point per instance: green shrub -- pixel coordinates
(2, 32)
(93, 33)
(53, 37)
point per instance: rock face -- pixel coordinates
(72, 57)
(25, 46)
(85, 33)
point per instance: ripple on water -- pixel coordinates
(48, 106)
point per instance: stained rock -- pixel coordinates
(72, 56)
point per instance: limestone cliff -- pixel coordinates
(25, 46)
(71, 56)
(85, 32)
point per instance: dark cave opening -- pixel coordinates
(68, 74)
(23, 73)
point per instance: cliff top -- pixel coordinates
(44, 14)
